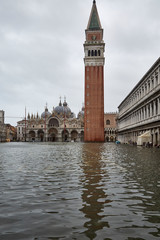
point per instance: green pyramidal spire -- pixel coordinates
(94, 22)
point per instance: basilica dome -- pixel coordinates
(81, 113)
(63, 109)
(46, 113)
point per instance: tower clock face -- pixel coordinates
(94, 37)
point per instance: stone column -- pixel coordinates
(59, 136)
(46, 137)
(132, 120)
(154, 108)
(141, 113)
(144, 113)
(159, 76)
(154, 137)
(150, 107)
(158, 136)
(146, 89)
(158, 102)
(79, 136)
(69, 136)
(147, 111)
(134, 137)
(36, 135)
(153, 82)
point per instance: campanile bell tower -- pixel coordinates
(94, 48)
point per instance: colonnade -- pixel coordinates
(145, 88)
(132, 136)
(58, 135)
(139, 112)
(147, 112)
(110, 134)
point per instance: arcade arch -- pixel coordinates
(65, 136)
(74, 135)
(32, 135)
(82, 136)
(52, 135)
(53, 122)
(40, 135)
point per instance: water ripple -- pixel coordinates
(79, 191)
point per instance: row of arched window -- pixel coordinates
(149, 110)
(149, 84)
(94, 53)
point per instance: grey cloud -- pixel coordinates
(41, 50)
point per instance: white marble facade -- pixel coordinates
(139, 112)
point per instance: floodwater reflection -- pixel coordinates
(143, 186)
(94, 193)
(99, 191)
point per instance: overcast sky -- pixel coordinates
(41, 51)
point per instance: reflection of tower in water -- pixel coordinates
(94, 197)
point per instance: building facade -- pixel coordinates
(94, 79)
(110, 126)
(2, 127)
(11, 133)
(139, 113)
(59, 126)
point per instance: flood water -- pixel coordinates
(79, 191)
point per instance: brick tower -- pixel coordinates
(94, 79)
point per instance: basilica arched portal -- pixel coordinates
(40, 135)
(53, 122)
(52, 135)
(74, 135)
(65, 136)
(32, 136)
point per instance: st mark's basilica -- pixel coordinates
(60, 125)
